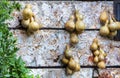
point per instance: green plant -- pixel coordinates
(10, 65)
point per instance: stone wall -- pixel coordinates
(46, 46)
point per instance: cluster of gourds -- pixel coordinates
(110, 25)
(28, 20)
(75, 26)
(71, 65)
(99, 54)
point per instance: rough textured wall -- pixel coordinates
(46, 47)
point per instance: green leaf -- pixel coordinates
(10, 65)
(7, 75)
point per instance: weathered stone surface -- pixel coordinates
(110, 73)
(83, 73)
(55, 13)
(47, 47)
(60, 73)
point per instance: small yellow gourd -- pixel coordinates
(80, 25)
(113, 25)
(101, 64)
(67, 52)
(33, 26)
(70, 25)
(27, 12)
(71, 64)
(77, 67)
(78, 15)
(69, 71)
(96, 60)
(104, 30)
(25, 23)
(74, 38)
(103, 16)
(65, 60)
